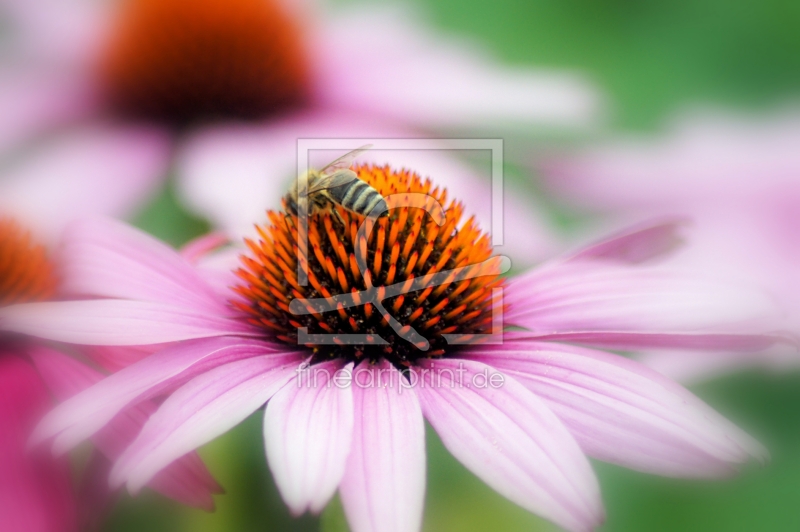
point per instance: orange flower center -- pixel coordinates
(187, 60)
(25, 273)
(430, 277)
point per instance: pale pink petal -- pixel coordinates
(81, 416)
(606, 304)
(116, 322)
(114, 358)
(58, 34)
(689, 367)
(308, 428)
(207, 406)
(195, 250)
(644, 340)
(706, 159)
(233, 175)
(511, 440)
(383, 489)
(393, 66)
(102, 170)
(187, 480)
(108, 258)
(620, 411)
(33, 102)
(636, 244)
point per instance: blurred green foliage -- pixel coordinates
(651, 58)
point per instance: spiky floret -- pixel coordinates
(404, 245)
(185, 60)
(26, 275)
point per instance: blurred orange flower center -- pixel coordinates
(186, 60)
(405, 244)
(26, 275)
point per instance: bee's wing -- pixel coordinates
(345, 160)
(336, 179)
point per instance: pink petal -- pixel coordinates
(33, 102)
(114, 358)
(108, 258)
(383, 489)
(103, 170)
(116, 322)
(308, 428)
(207, 406)
(187, 480)
(606, 304)
(705, 160)
(622, 412)
(66, 35)
(691, 367)
(477, 92)
(35, 488)
(81, 416)
(511, 440)
(640, 340)
(636, 244)
(195, 250)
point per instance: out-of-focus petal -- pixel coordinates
(512, 440)
(100, 170)
(706, 159)
(60, 35)
(622, 412)
(606, 304)
(108, 258)
(199, 411)
(80, 417)
(34, 102)
(689, 367)
(233, 175)
(35, 488)
(116, 322)
(195, 250)
(186, 480)
(308, 428)
(393, 66)
(384, 484)
(636, 244)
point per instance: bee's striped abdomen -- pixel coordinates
(358, 197)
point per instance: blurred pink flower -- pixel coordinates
(234, 350)
(736, 178)
(36, 489)
(249, 77)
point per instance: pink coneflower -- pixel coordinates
(737, 178)
(227, 83)
(522, 414)
(36, 491)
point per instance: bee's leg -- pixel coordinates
(339, 216)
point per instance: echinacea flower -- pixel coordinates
(522, 414)
(227, 83)
(737, 178)
(36, 491)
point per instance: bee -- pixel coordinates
(336, 184)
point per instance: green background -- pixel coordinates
(651, 59)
